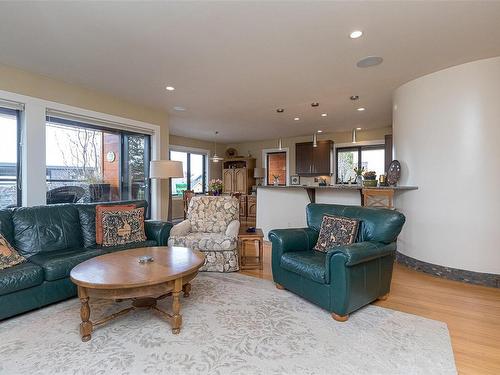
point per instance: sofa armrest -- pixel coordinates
(233, 229)
(181, 229)
(361, 252)
(158, 231)
(293, 239)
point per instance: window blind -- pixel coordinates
(56, 114)
(9, 104)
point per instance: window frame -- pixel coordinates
(359, 149)
(123, 169)
(188, 169)
(17, 114)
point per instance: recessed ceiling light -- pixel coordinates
(361, 109)
(358, 128)
(324, 115)
(354, 97)
(297, 118)
(280, 110)
(314, 104)
(355, 34)
(170, 88)
(369, 61)
(179, 108)
(320, 131)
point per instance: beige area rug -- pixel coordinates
(233, 324)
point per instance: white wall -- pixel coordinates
(447, 136)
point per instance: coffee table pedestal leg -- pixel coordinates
(86, 324)
(176, 307)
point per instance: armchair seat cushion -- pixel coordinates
(58, 264)
(309, 264)
(21, 276)
(205, 241)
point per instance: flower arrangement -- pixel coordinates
(215, 186)
(370, 175)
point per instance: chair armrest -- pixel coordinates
(293, 239)
(233, 229)
(158, 231)
(181, 229)
(361, 252)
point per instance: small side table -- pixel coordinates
(246, 262)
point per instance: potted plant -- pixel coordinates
(359, 175)
(215, 186)
(370, 179)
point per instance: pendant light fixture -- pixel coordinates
(315, 140)
(215, 158)
(354, 135)
(280, 144)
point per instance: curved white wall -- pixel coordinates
(447, 136)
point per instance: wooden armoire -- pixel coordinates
(237, 177)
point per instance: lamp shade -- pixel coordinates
(163, 169)
(259, 172)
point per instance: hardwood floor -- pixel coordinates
(472, 313)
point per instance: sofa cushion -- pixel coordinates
(204, 241)
(87, 214)
(6, 225)
(21, 276)
(212, 213)
(58, 264)
(46, 228)
(336, 231)
(123, 227)
(309, 264)
(135, 245)
(8, 255)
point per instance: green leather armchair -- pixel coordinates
(344, 278)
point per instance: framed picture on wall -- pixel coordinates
(294, 180)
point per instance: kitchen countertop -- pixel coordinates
(338, 187)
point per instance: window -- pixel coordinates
(194, 166)
(371, 158)
(10, 189)
(276, 167)
(86, 163)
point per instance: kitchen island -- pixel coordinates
(285, 206)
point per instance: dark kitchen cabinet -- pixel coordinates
(313, 161)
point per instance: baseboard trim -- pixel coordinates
(470, 277)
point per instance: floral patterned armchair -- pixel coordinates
(212, 226)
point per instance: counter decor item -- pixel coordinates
(322, 182)
(382, 180)
(393, 173)
(359, 175)
(294, 180)
(276, 178)
(370, 179)
(215, 186)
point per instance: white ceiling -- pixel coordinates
(234, 63)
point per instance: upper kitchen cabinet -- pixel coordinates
(314, 161)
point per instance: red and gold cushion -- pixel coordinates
(99, 210)
(8, 255)
(123, 227)
(336, 231)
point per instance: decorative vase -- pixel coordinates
(370, 183)
(276, 181)
(359, 180)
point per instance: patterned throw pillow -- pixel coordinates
(8, 255)
(99, 209)
(123, 227)
(336, 231)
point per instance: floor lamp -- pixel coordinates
(165, 170)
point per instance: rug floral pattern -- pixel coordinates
(232, 324)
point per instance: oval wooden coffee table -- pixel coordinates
(120, 276)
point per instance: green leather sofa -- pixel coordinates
(346, 277)
(54, 239)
